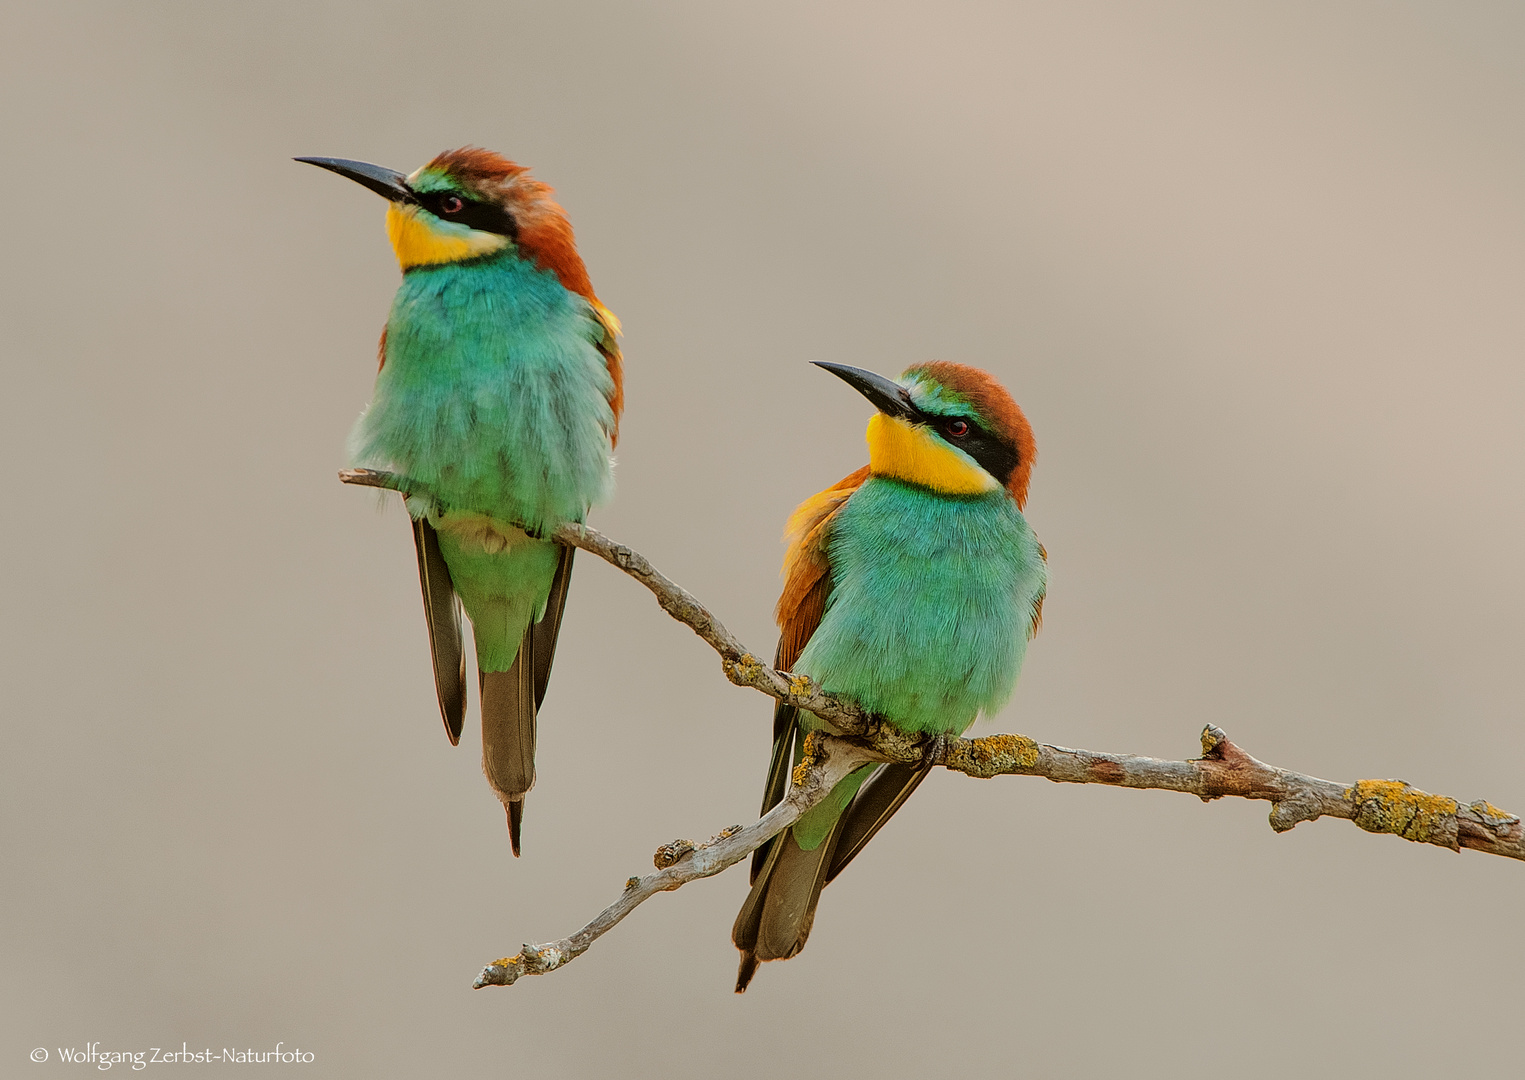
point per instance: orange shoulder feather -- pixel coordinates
(1037, 623)
(609, 345)
(807, 568)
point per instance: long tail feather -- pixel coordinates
(511, 705)
(749, 918)
(775, 920)
(442, 611)
(744, 930)
(745, 972)
(789, 910)
(508, 733)
(515, 824)
(774, 923)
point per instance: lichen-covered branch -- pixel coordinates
(825, 762)
(1381, 806)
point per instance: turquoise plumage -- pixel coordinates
(911, 587)
(493, 389)
(525, 441)
(498, 399)
(931, 600)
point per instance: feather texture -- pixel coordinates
(494, 394)
(499, 393)
(542, 236)
(917, 600)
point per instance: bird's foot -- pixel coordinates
(934, 749)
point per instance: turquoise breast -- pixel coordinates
(931, 602)
(492, 394)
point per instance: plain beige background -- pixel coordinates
(1255, 272)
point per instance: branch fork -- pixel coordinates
(859, 738)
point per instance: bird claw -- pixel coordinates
(932, 752)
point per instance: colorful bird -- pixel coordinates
(499, 396)
(912, 587)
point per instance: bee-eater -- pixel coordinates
(499, 396)
(912, 587)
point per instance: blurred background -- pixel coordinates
(1253, 270)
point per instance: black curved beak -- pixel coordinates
(388, 183)
(888, 396)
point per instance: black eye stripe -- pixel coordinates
(485, 217)
(994, 455)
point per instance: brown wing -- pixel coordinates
(442, 613)
(807, 568)
(807, 583)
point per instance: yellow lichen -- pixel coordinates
(1491, 813)
(1392, 806)
(799, 685)
(743, 671)
(810, 756)
(994, 755)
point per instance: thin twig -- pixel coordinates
(826, 761)
(1380, 806)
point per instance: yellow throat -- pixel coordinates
(911, 452)
(418, 242)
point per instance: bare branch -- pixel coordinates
(1380, 806)
(826, 761)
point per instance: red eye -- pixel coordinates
(957, 428)
(451, 204)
